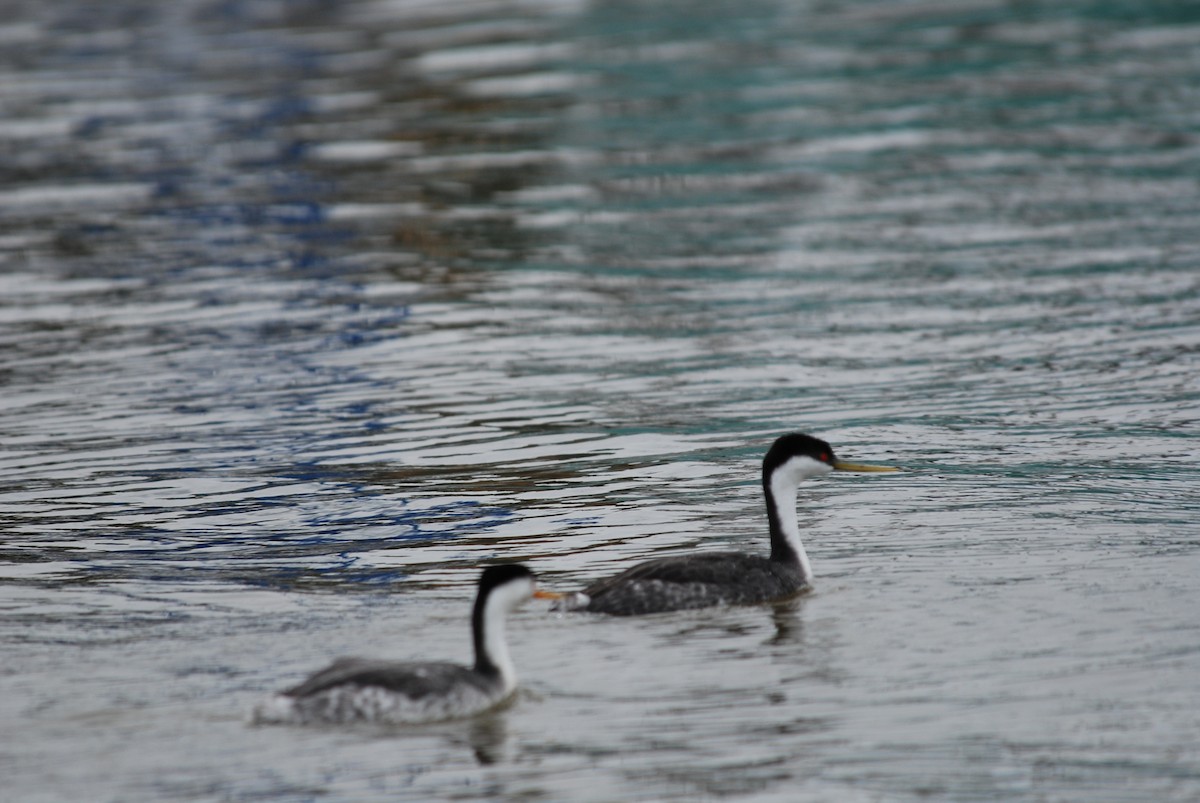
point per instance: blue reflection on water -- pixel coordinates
(324, 545)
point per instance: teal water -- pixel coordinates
(307, 310)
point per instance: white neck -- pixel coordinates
(783, 492)
(495, 646)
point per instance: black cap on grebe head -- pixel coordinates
(796, 444)
(494, 576)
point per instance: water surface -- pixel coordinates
(308, 310)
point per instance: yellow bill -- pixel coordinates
(843, 465)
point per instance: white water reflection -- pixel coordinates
(306, 314)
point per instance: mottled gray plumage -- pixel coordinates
(385, 692)
(694, 581)
(413, 680)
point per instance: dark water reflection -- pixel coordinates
(308, 309)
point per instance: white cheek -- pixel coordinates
(799, 469)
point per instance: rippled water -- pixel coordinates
(309, 309)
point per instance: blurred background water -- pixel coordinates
(309, 309)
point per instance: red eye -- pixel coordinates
(824, 457)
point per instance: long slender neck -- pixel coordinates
(491, 648)
(786, 546)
